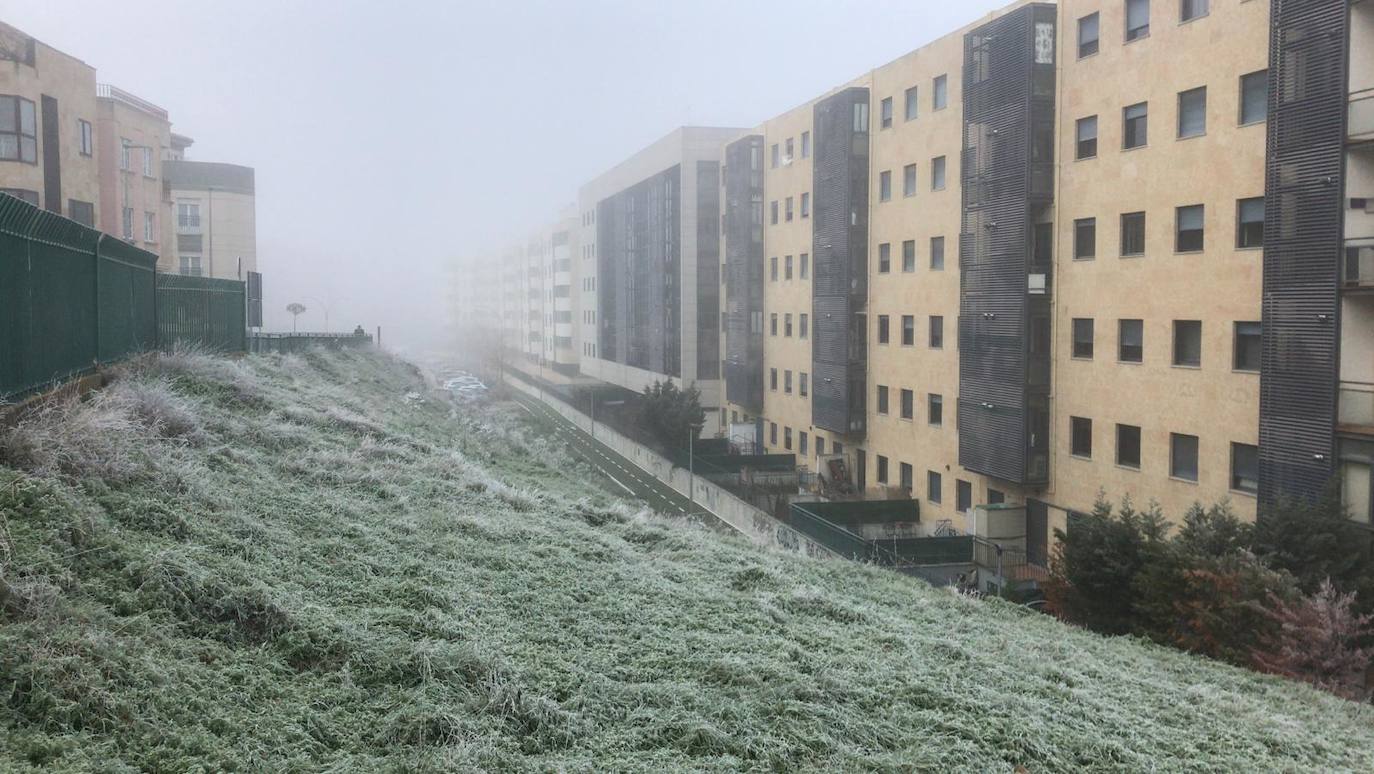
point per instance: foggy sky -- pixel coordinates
(390, 138)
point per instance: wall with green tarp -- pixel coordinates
(71, 298)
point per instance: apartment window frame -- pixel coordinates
(803, 384)
(1085, 147)
(884, 257)
(150, 227)
(936, 333)
(773, 269)
(787, 325)
(87, 137)
(1081, 437)
(937, 173)
(190, 265)
(1192, 10)
(939, 92)
(885, 113)
(963, 495)
(882, 469)
(787, 381)
(1192, 239)
(1187, 344)
(787, 267)
(1128, 438)
(127, 223)
(937, 253)
(883, 400)
(806, 204)
(935, 485)
(909, 184)
(884, 329)
(1133, 234)
(1239, 481)
(1085, 239)
(773, 324)
(908, 330)
(773, 381)
(773, 212)
(1192, 113)
(788, 211)
(908, 256)
(1130, 330)
(805, 269)
(19, 139)
(806, 144)
(935, 409)
(1139, 31)
(911, 108)
(803, 325)
(885, 185)
(1249, 233)
(906, 476)
(1082, 333)
(1254, 96)
(774, 156)
(1090, 45)
(1181, 447)
(1247, 346)
(1135, 126)
(907, 404)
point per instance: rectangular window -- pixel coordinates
(1192, 112)
(820, 446)
(882, 399)
(787, 438)
(882, 469)
(806, 145)
(79, 211)
(149, 227)
(937, 253)
(128, 224)
(908, 330)
(939, 97)
(787, 150)
(801, 443)
(1085, 239)
(885, 112)
(1183, 456)
(787, 209)
(1132, 234)
(775, 158)
(935, 410)
(1250, 223)
(1135, 125)
(1087, 35)
(806, 204)
(1245, 468)
(1357, 488)
(23, 195)
(908, 404)
(912, 103)
(937, 331)
(773, 212)
(148, 162)
(1137, 19)
(1189, 229)
(787, 381)
(773, 324)
(1128, 446)
(933, 486)
(884, 258)
(190, 265)
(1083, 338)
(885, 186)
(1193, 9)
(1087, 138)
(787, 325)
(1131, 341)
(773, 268)
(83, 128)
(805, 265)
(773, 433)
(1254, 97)
(773, 380)
(963, 495)
(1188, 343)
(909, 255)
(937, 173)
(883, 332)
(802, 325)
(1248, 345)
(1081, 437)
(787, 267)
(909, 180)
(18, 130)
(996, 496)
(803, 383)
(906, 476)
(123, 153)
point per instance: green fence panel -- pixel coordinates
(51, 314)
(126, 299)
(201, 311)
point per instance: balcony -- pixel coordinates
(1355, 407)
(1357, 272)
(1360, 117)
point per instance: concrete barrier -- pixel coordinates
(753, 523)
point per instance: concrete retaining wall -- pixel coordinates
(752, 522)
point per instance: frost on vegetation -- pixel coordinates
(365, 583)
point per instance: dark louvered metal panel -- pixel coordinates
(839, 261)
(639, 274)
(1302, 245)
(1006, 171)
(744, 273)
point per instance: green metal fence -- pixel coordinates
(71, 298)
(201, 311)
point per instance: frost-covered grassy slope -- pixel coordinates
(285, 563)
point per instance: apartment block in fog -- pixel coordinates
(48, 115)
(648, 267)
(214, 209)
(132, 137)
(1109, 245)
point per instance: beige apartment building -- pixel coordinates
(132, 137)
(48, 115)
(540, 304)
(215, 217)
(1092, 247)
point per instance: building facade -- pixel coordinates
(48, 116)
(648, 267)
(215, 215)
(132, 137)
